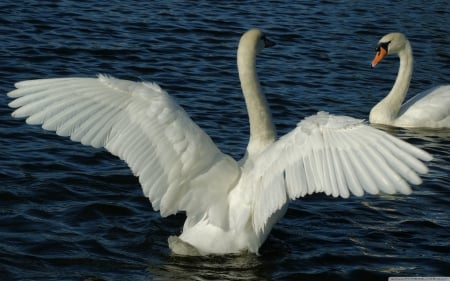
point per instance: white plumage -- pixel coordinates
(428, 109)
(230, 205)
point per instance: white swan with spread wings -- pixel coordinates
(230, 205)
(428, 109)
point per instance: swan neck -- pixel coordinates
(401, 85)
(262, 130)
(390, 106)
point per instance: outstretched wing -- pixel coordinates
(174, 159)
(336, 155)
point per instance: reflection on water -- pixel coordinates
(228, 267)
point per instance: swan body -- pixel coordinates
(428, 109)
(230, 205)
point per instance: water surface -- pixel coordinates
(70, 212)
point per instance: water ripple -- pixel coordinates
(70, 212)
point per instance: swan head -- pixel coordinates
(254, 40)
(392, 43)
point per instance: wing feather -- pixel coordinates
(335, 165)
(351, 178)
(397, 162)
(173, 158)
(335, 155)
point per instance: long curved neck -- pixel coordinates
(398, 92)
(262, 130)
(390, 105)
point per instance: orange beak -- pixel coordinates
(381, 53)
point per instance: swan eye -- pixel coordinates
(383, 45)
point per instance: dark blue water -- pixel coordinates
(69, 212)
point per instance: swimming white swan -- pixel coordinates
(428, 109)
(230, 205)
